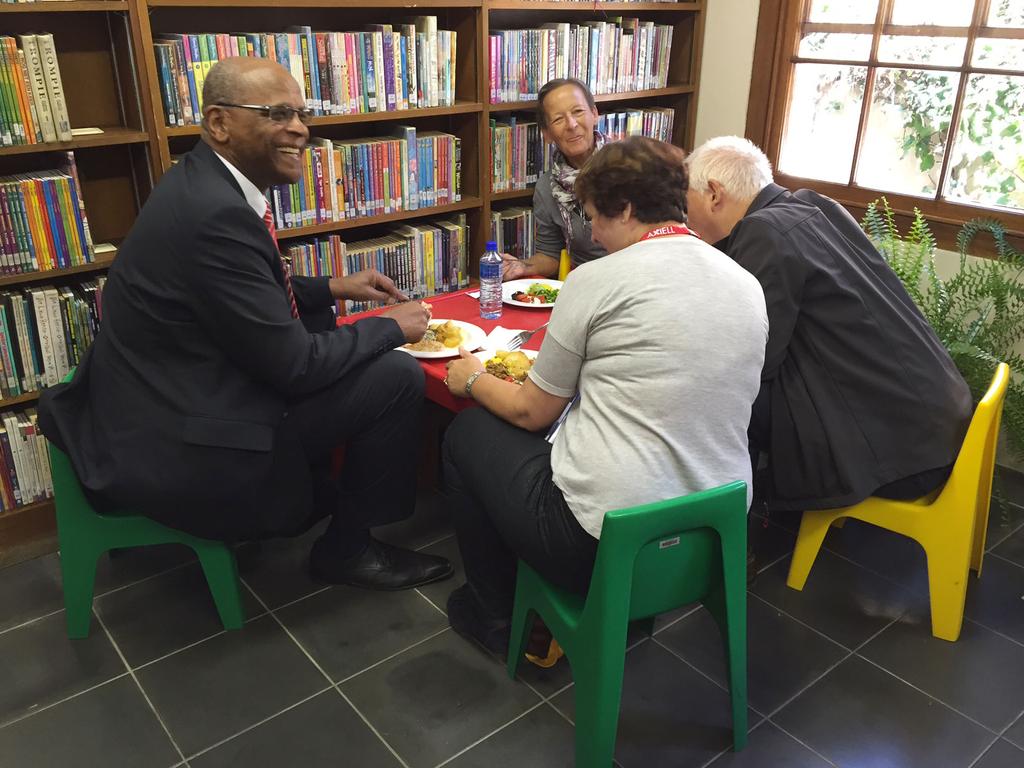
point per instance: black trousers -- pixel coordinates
(506, 506)
(374, 412)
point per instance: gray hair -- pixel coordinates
(737, 164)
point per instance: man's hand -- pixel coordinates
(368, 285)
(459, 371)
(513, 268)
(412, 317)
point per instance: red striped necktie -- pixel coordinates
(268, 220)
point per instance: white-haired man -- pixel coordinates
(858, 396)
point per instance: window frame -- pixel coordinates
(779, 27)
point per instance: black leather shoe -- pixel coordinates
(380, 566)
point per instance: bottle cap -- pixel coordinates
(491, 245)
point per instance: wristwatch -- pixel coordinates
(471, 381)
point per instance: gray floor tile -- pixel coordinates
(843, 600)
(29, 590)
(1012, 483)
(437, 698)
(218, 687)
(995, 599)
(1002, 754)
(109, 725)
(783, 655)
(770, 747)
(769, 541)
(1003, 520)
(894, 556)
(324, 731)
(347, 629)
(125, 566)
(905, 727)
(669, 716)
(1012, 548)
(41, 665)
(278, 569)
(665, 620)
(162, 614)
(540, 739)
(981, 675)
(1015, 733)
(438, 592)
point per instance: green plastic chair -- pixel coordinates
(85, 534)
(651, 559)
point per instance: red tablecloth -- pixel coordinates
(459, 306)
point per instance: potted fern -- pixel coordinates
(977, 313)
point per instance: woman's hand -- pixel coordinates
(460, 370)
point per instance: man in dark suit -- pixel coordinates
(858, 396)
(218, 388)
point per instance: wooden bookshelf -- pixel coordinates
(110, 74)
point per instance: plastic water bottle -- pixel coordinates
(490, 282)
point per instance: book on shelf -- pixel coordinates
(513, 231)
(653, 122)
(373, 176)
(615, 56)
(379, 69)
(422, 258)
(32, 105)
(44, 332)
(25, 475)
(43, 224)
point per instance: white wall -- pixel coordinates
(729, 31)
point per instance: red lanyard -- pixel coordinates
(668, 231)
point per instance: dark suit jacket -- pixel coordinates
(860, 390)
(175, 410)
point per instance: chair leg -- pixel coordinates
(948, 570)
(598, 692)
(730, 613)
(813, 527)
(518, 634)
(221, 572)
(78, 572)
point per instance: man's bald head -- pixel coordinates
(239, 79)
(241, 126)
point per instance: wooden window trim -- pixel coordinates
(778, 32)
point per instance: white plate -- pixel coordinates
(507, 289)
(472, 338)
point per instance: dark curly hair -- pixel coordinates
(558, 82)
(645, 173)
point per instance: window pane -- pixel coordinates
(943, 51)
(987, 165)
(908, 126)
(998, 54)
(834, 45)
(942, 13)
(1006, 13)
(821, 124)
(844, 11)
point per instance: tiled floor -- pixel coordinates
(845, 673)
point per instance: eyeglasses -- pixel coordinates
(281, 114)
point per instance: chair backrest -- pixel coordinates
(971, 478)
(666, 554)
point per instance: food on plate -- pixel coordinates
(439, 336)
(538, 293)
(510, 366)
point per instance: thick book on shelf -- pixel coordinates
(54, 86)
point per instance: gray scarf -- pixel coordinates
(563, 178)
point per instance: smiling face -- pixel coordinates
(570, 123)
(265, 151)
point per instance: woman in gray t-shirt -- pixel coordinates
(653, 356)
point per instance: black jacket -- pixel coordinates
(176, 408)
(860, 390)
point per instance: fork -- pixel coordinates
(521, 338)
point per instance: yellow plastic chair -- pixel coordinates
(564, 265)
(949, 524)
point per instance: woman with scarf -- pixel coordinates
(567, 115)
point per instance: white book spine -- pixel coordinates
(54, 86)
